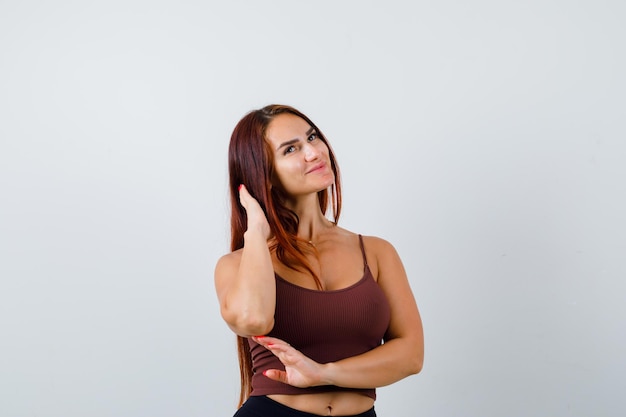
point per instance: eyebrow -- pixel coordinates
(296, 140)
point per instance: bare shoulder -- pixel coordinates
(378, 245)
(229, 259)
(226, 266)
(382, 256)
(373, 241)
(376, 248)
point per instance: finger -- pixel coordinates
(271, 342)
(268, 339)
(276, 375)
(264, 340)
(281, 351)
(246, 199)
(243, 195)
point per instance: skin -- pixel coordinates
(245, 284)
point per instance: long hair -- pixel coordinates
(251, 162)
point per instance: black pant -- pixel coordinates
(266, 407)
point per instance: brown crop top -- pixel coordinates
(324, 325)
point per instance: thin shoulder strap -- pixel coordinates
(363, 250)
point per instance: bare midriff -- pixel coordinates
(327, 403)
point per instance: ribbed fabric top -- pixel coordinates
(324, 325)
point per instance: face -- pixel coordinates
(301, 158)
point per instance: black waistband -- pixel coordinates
(261, 406)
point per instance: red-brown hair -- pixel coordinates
(251, 162)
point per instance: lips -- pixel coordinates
(317, 167)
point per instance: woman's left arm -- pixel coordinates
(401, 355)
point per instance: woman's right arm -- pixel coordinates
(244, 280)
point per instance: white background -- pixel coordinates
(485, 139)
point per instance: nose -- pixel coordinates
(310, 152)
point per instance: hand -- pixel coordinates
(254, 212)
(300, 371)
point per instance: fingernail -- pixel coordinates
(259, 337)
(240, 187)
(264, 373)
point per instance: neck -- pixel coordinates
(312, 222)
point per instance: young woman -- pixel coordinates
(323, 315)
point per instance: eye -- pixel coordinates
(290, 149)
(312, 137)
